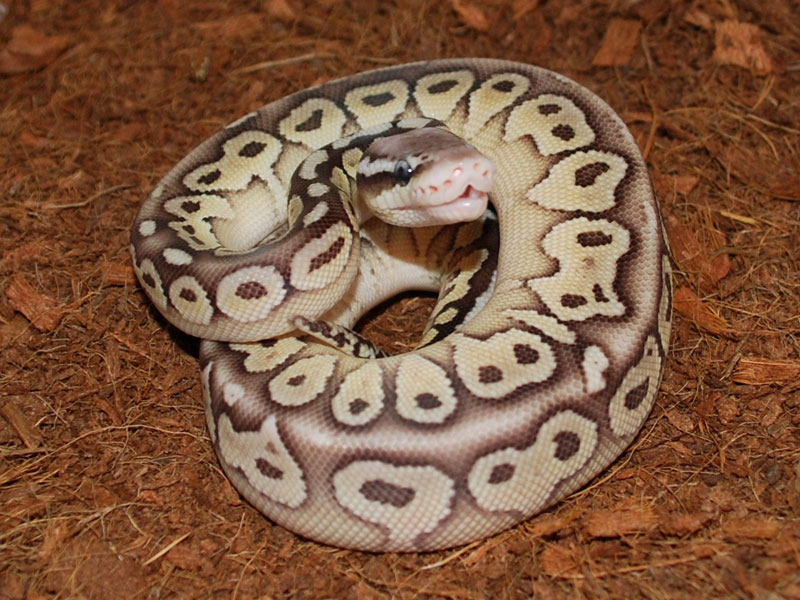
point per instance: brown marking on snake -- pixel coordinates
(325, 257)
(525, 354)
(504, 86)
(188, 295)
(378, 99)
(587, 174)
(563, 132)
(501, 473)
(549, 109)
(567, 444)
(599, 296)
(210, 177)
(589, 239)
(296, 380)
(442, 87)
(268, 469)
(311, 123)
(252, 149)
(572, 300)
(635, 396)
(377, 490)
(357, 406)
(427, 401)
(489, 374)
(251, 290)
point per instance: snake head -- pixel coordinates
(423, 177)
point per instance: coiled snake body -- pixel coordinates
(544, 352)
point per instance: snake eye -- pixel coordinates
(403, 172)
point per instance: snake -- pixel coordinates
(515, 195)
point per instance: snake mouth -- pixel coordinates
(469, 197)
(471, 194)
(468, 205)
(461, 193)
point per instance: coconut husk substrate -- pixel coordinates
(109, 487)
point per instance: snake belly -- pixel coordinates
(549, 377)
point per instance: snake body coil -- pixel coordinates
(544, 352)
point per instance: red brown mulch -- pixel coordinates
(108, 485)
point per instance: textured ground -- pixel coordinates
(108, 486)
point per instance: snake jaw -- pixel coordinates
(448, 193)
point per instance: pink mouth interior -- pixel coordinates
(470, 193)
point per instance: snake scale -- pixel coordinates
(544, 352)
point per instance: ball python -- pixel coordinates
(544, 352)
